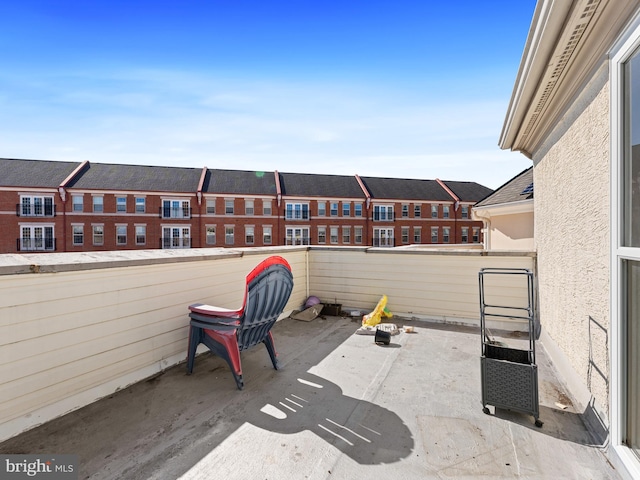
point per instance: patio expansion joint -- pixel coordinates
(515, 450)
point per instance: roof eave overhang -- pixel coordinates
(510, 208)
(566, 44)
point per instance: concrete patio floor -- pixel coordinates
(340, 407)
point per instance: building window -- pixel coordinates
(98, 234)
(211, 206)
(346, 209)
(98, 204)
(228, 206)
(434, 211)
(445, 234)
(322, 209)
(78, 234)
(632, 321)
(121, 234)
(417, 210)
(383, 237)
(445, 211)
(357, 235)
(405, 233)
(357, 209)
(141, 234)
(248, 207)
(140, 204)
(334, 209)
(176, 237)
(476, 234)
(176, 209)
(78, 203)
(121, 204)
(322, 235)
(229, 236)
(249, 236)
(465, 211)
(333, 235)
(37, 238)
(405, 210)
(267, 235)
(297, 236)
(211, 235)
(346, 235)
(465, 235)
(625, 274)
(266, 207)
(297, 211)
(382, 213)
(417, 235)
(434, 234)
(36, 206)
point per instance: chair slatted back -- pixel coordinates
(268, 292)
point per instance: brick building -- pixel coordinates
(83, 206)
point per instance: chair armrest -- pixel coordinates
(213, 311)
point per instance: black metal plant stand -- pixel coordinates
(509, 375)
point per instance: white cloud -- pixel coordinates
(182, 119)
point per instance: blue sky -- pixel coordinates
(408, 89)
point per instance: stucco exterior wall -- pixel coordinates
(571, 176)
(512, 232)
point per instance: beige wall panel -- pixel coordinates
(69, 333)
(58, 350)
(572, 241)
(106, 368)
(512, 232)
(420, 284)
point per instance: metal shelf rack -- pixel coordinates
(509, 375)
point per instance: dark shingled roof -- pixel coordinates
(240, 182)
(468, 191)
(512, 191)
(316, 185)
(104, 176)
(406, 189)
(34, 173)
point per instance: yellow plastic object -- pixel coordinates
(374, 318)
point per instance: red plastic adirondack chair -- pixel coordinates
(228, 332)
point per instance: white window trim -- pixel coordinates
(118, 197)
(247, 229)
(181, 236)
(93, 235)
(293, 211)
(206, 206)
(233, 234)
(74, 197)
(126, 233)
(31, 226)
(144, 204)
(206, 234)
(265, 229)
(73, 234)
(93, 204)
(249, 206)
(180, 209)
(135, 233)
(619, 54)
(304, 229)
(233, 206)
(322, 228)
